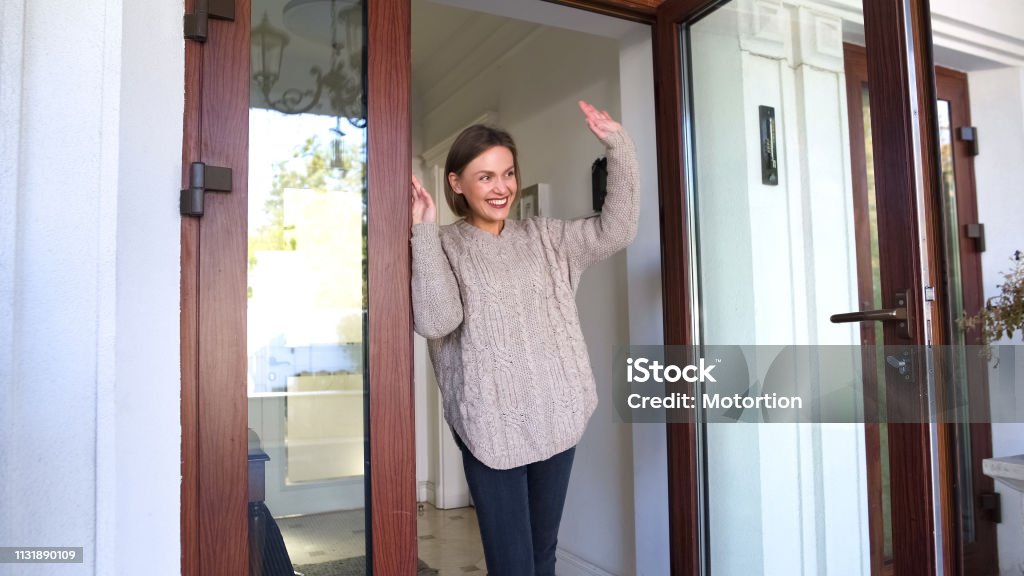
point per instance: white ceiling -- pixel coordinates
(550, 14)
(454, 41)
(452, 46)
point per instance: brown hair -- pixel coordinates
(469, 144)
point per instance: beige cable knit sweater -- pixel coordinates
(500, 315)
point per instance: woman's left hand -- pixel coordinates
(601, 122)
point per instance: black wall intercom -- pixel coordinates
(599, 182)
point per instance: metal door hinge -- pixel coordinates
(977, 232)
(969, 134)
(203, 179)
(993, 502)
(197, 24)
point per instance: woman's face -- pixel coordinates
(489, 185)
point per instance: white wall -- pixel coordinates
(534, 92)
(89, 259)
(1002, 16)
(989, 29)
(646, 313)
(997, 109)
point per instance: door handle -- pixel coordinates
(903, 313)
(869, 315)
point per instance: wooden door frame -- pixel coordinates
(214, 416)
(981, 555)
(214, 423)
(392, 412)
(189, 336)
(684, 479)
(962, 557)
(392, 455)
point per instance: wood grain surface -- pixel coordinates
(896, 182)
(192, 136)
(636, 10)
(392, 415)
(223, 414)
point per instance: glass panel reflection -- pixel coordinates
(876, 337)
(961, 396)
(778, 243)
(306, 288)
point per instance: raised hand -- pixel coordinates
(601, 122)
(423, 209)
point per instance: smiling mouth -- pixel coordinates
(499, 202)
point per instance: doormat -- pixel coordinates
(350, 567)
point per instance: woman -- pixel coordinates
(496, 299)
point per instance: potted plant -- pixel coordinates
(1003, 314)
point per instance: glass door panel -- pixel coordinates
(869, 277)
(865, 205)
(958, 363)
(306, 288)
(783, 243)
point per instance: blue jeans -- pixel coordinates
(519, 511)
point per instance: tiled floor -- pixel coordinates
(316, 538)
(449, 540)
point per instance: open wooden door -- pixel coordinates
(968, 527)
(757, 198)
(971, 519)
(296, 401)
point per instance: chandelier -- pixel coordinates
(338, 91)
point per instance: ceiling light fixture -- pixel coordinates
(342, 83)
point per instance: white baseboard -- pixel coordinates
(425, 492)
(569, 564)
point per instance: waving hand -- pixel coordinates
(423, 209)
(601, 122)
